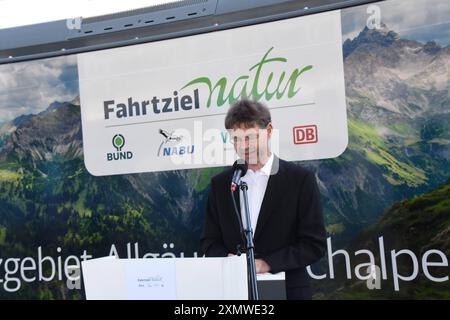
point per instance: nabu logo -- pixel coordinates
(178, 150)
(118, 141)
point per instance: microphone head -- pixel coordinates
(242, 165)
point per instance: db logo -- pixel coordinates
(305, 134)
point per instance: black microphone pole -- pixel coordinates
(251, 266)
(240, 169)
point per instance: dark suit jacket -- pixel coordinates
(290, 233)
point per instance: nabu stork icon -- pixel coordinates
(168, 136)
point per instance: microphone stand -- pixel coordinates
(251, 266)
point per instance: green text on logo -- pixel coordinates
(228, 95)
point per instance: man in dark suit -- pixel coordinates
(284, 203)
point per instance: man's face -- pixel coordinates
(251, 142)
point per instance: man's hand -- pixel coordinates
(261, 266)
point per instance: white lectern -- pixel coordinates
(166, 278)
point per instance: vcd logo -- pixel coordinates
(118, 141)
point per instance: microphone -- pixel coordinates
(240, 168)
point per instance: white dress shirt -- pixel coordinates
(257, 184)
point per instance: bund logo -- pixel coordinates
(118, 142)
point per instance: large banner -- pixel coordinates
(87, 160)
(161, 106)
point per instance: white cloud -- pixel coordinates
(30, 87)
(421, 20)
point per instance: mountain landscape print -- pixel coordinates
(393, 180)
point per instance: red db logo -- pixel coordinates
(305, 134)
